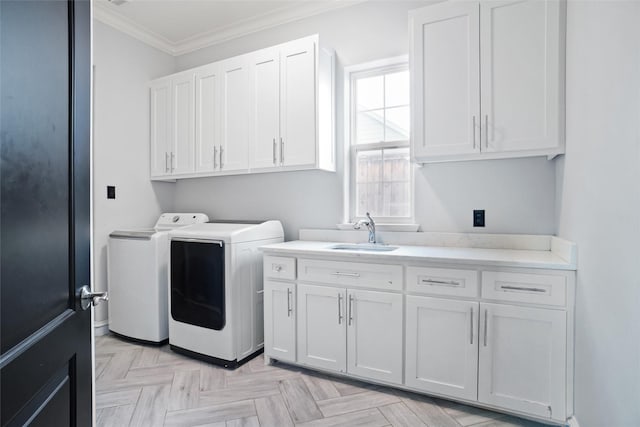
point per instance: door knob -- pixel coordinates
(88, 298)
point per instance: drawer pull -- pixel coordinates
(277, 268)
(339, 309)
(521, 288)
(338, 273)
(350, 309)
(289, 308)
(441, 282)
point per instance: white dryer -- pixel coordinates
(215, 290)
(137, 278)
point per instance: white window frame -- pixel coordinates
(373, 68)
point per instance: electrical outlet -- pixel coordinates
(478, 218)
(111, 192)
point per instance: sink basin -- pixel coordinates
(366, 247)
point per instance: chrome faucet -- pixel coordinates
(371, 226)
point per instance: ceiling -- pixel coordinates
(182, 26)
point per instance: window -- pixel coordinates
(381, 177)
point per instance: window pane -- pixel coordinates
(397, 124)
(368, 179)
(396, 177)
(383, 183)
(397, 89)
(369, 93)
(370, 127)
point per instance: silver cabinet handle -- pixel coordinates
(471, 326)
(350, 309)
(289, 308)
(486, 131)
(277, 268)
(215, 154)
(281, 151)
(441, 282)
(521, 288)
(338, 273)
(261, 291)
(339, 309)
(221, 165)
(166, 161)
(274, 151)
(473, 129)
(171, 162)
(485, 326)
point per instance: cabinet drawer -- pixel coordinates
(442, 281)
(278, 267)
(357, 274)
(524, 287)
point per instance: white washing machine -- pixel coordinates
(215, 290)
(137, 278)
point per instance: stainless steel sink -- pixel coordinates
(365, 247)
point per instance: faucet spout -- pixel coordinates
(371, 227)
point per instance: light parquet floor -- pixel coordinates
(152, 386)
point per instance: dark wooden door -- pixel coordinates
(45, 336)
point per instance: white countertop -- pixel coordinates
(456, 255)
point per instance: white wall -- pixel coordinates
(598, 207)
(518, 195)
(123, 67)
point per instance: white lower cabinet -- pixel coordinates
(353, 331)
(498, 337)
(374, 335)
(280, 320)
(522, 363)
(322, 335)
(442, 346)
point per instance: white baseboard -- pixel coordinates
(573, 422)
(100, 328)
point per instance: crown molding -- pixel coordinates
(120, 22)
(284, 15)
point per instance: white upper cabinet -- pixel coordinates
(445, 76)
(488, 79)
(171, 122)
(160, 131)
(208, 83)
(234, 145)
(264, 111)
(181, 158)
(292, 107)
(522, 103)
(298, 103)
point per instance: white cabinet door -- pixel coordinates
(522, 91)
(280, 320)
(445, 79)
(522, 363)
(265, 109)
(322, 340)
(233, 152)
(207, 137)
(160, 122)
(298, 103)
(374, 335)
(442, 346)
(182, 142)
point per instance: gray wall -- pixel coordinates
(598, 193)
(123, 67)
(518, 195)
